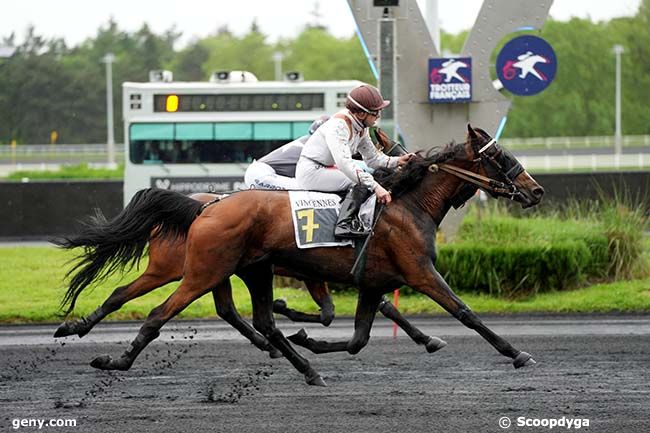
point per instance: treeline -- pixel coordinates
(46, 85)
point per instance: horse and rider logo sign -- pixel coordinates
(450, 79)
(526, 65)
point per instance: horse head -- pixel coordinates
(500, 173)
(386, 144)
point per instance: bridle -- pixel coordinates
(488, 157)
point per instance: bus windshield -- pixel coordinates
(200, 151)
(192, 143)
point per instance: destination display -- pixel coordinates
(172, 103)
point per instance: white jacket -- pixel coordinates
(333, 144)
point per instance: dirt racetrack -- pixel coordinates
(189, 384)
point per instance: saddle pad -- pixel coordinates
(314, 216)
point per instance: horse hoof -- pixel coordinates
(326, 320)
(102, 362)
(64, 330)
(299, 338)
(315, 380)
(71, 328)
(279, 306)
(434, 344)
(523, 360)
(275, 353)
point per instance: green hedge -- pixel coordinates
(518, 269)
(508, 256)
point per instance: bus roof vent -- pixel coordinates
(161, 76)
(224, 77)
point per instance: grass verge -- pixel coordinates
(31, 286)
(79, 171)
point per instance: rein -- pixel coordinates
(489, 184)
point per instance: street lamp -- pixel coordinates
(109, 58)
(618, 137)
(277, 59)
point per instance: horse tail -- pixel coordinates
(121, 242)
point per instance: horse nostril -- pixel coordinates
(538, 192)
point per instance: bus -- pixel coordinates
(201, 136)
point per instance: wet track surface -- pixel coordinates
(198, 377)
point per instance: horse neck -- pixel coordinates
(432, 196)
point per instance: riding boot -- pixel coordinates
(348, 224)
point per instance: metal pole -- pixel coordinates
(618, 136)
(277, 60)
(433, 23)
(387, 69)
(110, 136)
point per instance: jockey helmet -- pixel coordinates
(365, 98)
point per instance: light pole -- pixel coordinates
(618, 136)
(109, 58)
(277, 60)
(433, 23)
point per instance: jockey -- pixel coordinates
(326, 161)
(277, 169)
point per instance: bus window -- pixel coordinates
(200, 151)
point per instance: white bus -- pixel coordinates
(201, 136)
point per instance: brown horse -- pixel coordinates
(166, 258)
(251, 231)
(104, 253)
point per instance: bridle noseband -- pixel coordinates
(505, 188)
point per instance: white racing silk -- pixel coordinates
(333, 145)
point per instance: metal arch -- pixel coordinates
(423, 124)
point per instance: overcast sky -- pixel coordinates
(76, 20)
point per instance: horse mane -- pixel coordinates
(408, 176)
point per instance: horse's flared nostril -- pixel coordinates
(538, 192)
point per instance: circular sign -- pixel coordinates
(526, 65)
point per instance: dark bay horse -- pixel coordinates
(104, 254)
(251, 231)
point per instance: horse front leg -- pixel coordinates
(367, 305)
(431, 343)
(321, 295)
(431, 283)
(226, 309)
(120, 296)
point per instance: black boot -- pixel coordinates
(348, 224)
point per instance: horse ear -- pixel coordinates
(471, 131)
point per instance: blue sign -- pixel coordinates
(450, 79)
(526, 65)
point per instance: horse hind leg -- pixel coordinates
(199, 278)
(321, 295)
(431, 343)
(259, 280)
(366, 309)
(166, 258)
(226, 309)
(120, 296)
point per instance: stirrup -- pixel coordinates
(352, 229)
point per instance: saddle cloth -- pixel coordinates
(315, 214)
